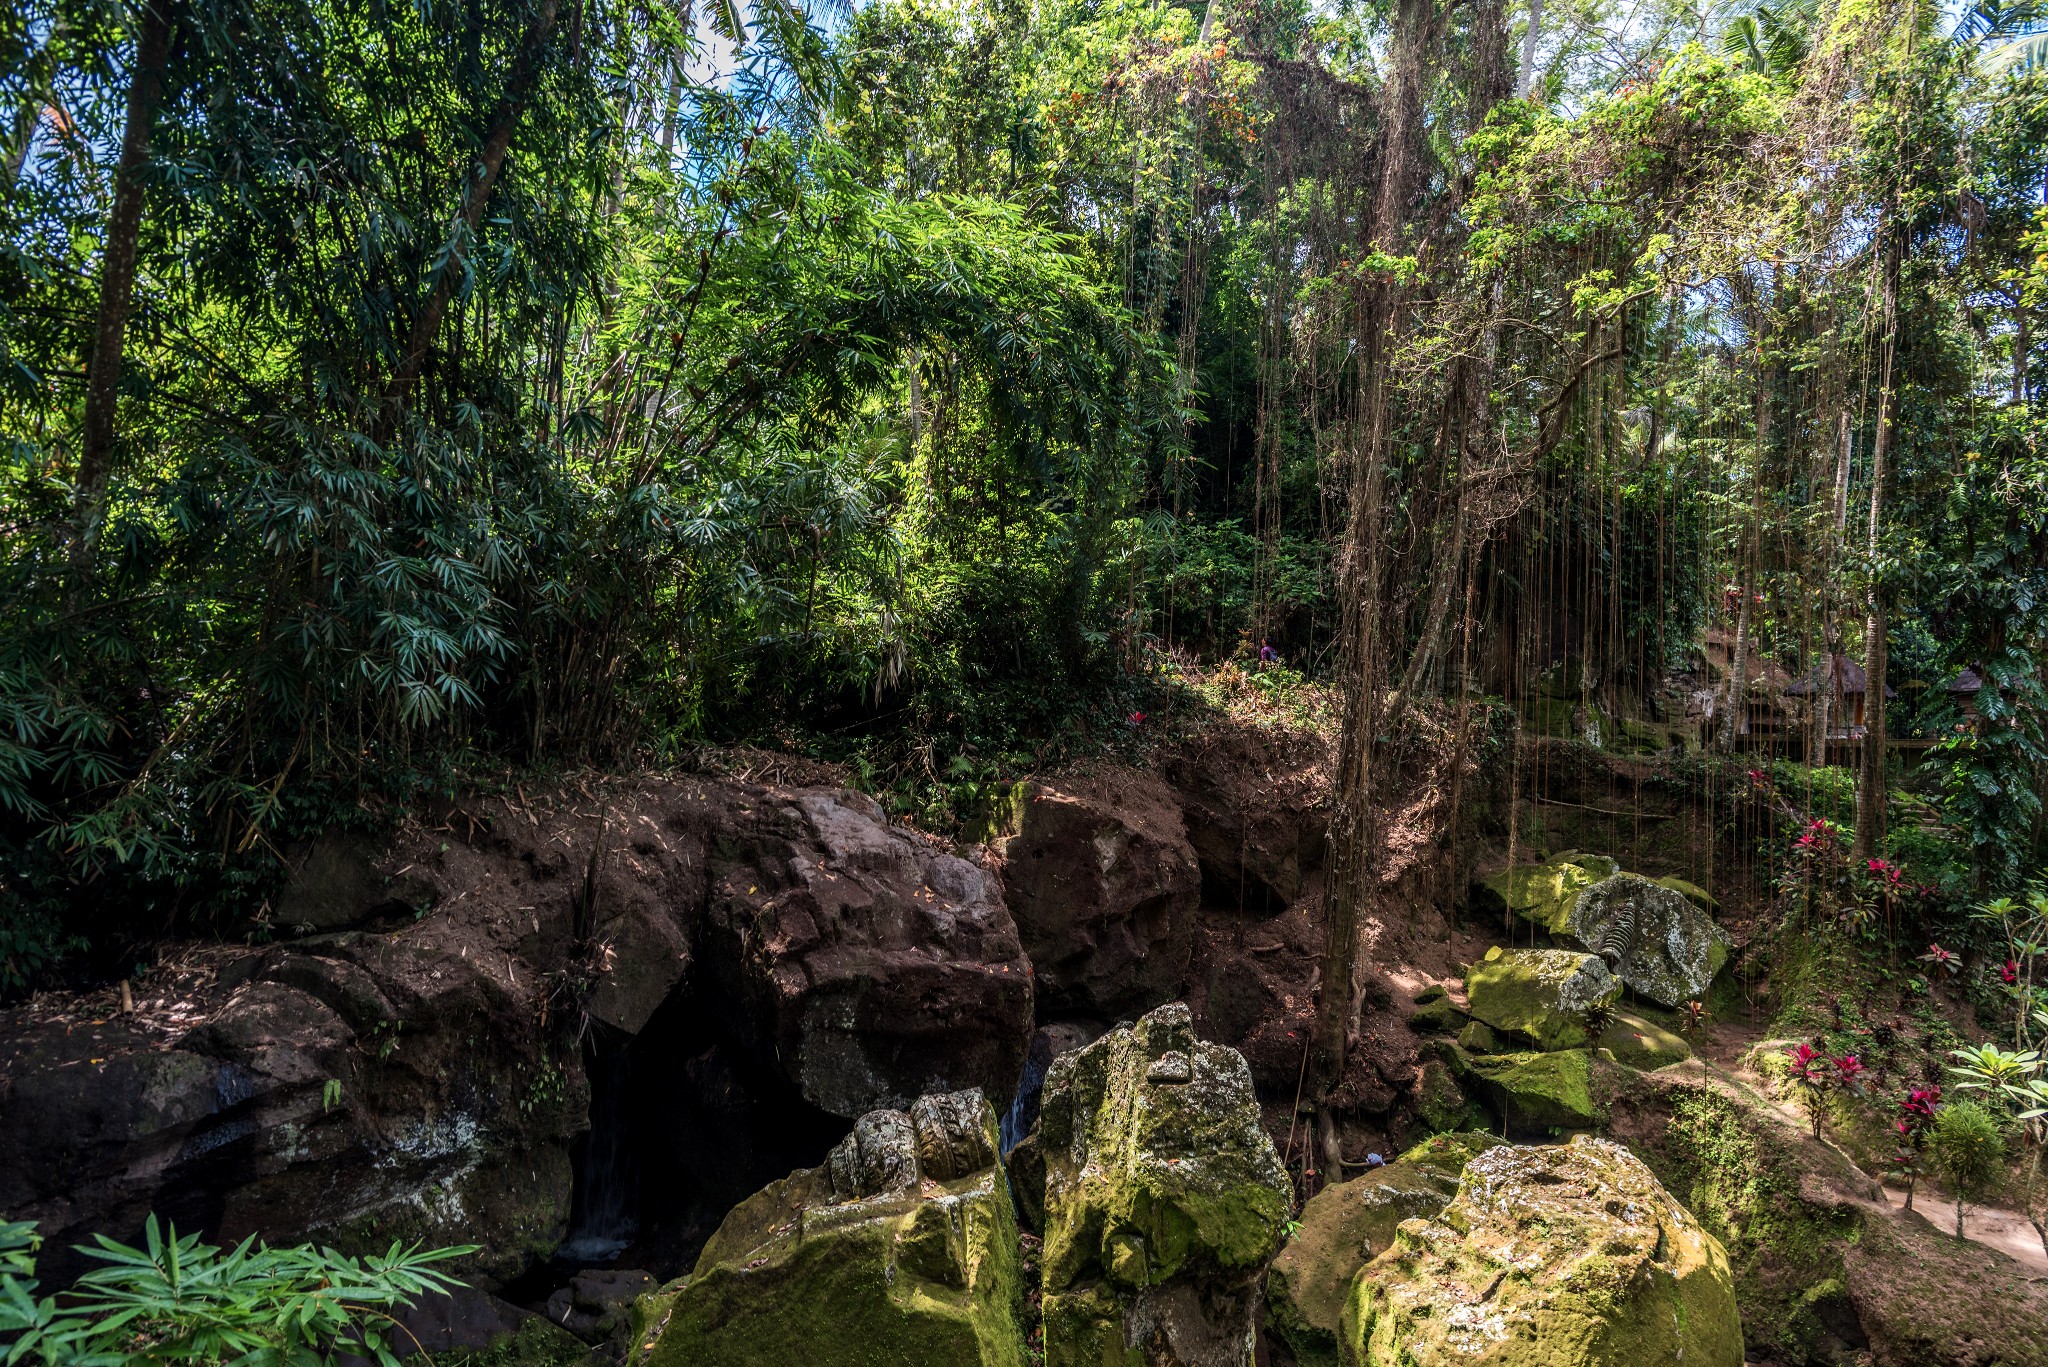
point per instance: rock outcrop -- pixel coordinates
(1642, 1044)
(1657, 934)
(1543, 893)
(357, 1089)
(873, 964)
(1105, 891)
(900, 1249)
(422, 1076)
(1559, 1256)
(1256, 804)
(1541, 996)
(1343, 1227)
(1657, 941)
(1436, 1013)
(1164, 1198)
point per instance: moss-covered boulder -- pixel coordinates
(1658, 934)
(1689, 890)
(1533, 1092)
(1543, 893)
(1656, 940)
(1164, 1199)
(1643, 1044)
(1556, 1256)
(1479, 1038)
(1343, 1227)
(901, 1249)
(1539, 995)
(1439, 1015)
(1441, 1102)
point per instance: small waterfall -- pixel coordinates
(1047, 1043)
(607, 1182)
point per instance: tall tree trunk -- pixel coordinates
(117, 293)
(1473, 385)
(2019, 346)
(1870, 796)
(1353, 862)
(1827, 678)
(1525, 79)
(490, 161)
(1737, 721)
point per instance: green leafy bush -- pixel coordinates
(1968, 1149)
(179, 1300)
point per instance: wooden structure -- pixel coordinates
(1844, 682)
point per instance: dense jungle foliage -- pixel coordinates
(400, 395)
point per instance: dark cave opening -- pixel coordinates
(686, 1122)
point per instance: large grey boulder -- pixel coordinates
(1656, 940)
(1164, 1199)
(1657, 934)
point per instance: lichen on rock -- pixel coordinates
(1539, 995)
(1657, 934)
(1544, 893)
(895, 1250)
(1551, 1256)
(1164, 1198)
(1344, 1226)
(1656, 940)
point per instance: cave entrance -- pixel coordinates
(685, 1123)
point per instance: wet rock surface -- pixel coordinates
(1555, 1255)
(1164, 1197)
(597, 1306)
(355, 1088)
(874, 1257)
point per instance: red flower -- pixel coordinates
(1137, 718)
(2010, 971)
(1940, 958)
(1806, 1065)
(1916, 1112)
(1848, 1068)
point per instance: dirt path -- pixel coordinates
(2005, 1230)
(2008, 1231)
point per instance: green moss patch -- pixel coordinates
(1539, 1092)
(1642, 1044)
(1539, 995)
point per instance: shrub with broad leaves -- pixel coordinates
(179, 1300)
